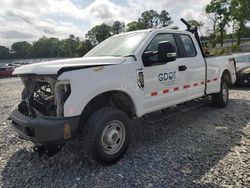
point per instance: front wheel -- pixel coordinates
(107, 135)
(221, 99)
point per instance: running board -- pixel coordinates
(167, 113)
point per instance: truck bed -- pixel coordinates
(215, 69)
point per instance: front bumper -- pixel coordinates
(44, 130)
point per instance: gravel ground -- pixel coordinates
(205, 147)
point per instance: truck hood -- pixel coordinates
(59, 66)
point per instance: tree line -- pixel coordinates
(47, 47)
(222, 13)
(74, 47)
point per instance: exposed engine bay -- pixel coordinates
(43, 96)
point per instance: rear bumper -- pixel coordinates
(44, 130)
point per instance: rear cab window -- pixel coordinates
(188, 45)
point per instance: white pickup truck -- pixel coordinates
(125, 77)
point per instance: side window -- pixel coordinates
(153, 47)
(188, 45)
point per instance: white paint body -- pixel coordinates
(121, 75)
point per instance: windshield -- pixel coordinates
(120, 45)
(243, 58)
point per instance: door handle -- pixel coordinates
(182, 68)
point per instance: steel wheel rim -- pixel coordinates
(224, 92)
(113, 137)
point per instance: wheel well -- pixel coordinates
(119, 99)
(226, 75)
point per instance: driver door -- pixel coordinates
(163, 82)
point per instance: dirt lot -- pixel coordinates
(205, 147)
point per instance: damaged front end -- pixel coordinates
(40, 115)
(43, 96)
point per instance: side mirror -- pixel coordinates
(166, 52)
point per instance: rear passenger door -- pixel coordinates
(194, 62)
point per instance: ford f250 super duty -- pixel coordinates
(126, 76)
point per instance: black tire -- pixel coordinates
(103, 127)
(221, 99)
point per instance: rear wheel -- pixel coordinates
(221, 99)
(106, 135)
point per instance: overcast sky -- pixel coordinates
(31, 19)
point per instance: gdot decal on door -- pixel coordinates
(167, 77)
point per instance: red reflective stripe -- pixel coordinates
(165, 91)
(186, 86)
(215, 79)
(154, 94)
(176, 88)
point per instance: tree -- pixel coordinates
(150, 19)
(240, 12)
(246, 32)
(70, 47)
(83, 48)
(21, 49)
(133, 26)
(165, 19)
(195, 23)
(46, 47)
(220, 10)
(99, 33)
(71, 36)
(4, 52)
(118, 27)
(213, 18)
